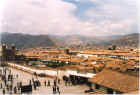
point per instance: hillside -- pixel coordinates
(26, 41)
(74, 40)
(131, 40)
(29, 41)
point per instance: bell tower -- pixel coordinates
(4, 52)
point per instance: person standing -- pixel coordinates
(3, 91)
(54, 89)
(1, 85)
(10, 72)
(58, 81)
(20, 84)
(11, 87)
(58, 89)
(11, 77)
(30, 83)
(17, 76)
(5, 82)
(45, 83)
(49, 84)
(39, 83)
(55, 83)
(15, 90)
(32, 79)
(7, 87)
(69, 82)
(8, 77)
(34, 83)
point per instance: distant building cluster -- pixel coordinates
(110, 71)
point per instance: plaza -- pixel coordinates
(25, 77)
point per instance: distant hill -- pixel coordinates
(126, 40)
(29, 41)
(119, 40)
(69, 40)
(26, 41)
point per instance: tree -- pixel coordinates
(114, 47)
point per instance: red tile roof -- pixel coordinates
(116, 80)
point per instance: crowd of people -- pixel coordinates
(74, 80)
(6, 83)
(10, 85)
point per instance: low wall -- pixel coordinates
(52, 73)
(32, 70)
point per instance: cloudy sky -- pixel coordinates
(67, 17)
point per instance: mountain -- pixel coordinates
(26, 41)
(131, 40)
(29, 41)
(72, 40)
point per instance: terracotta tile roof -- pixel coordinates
(134, 92)
(135, 58)
(123, 67)
(108, 52)
(116, 80)
(79, 67)
(74, 59)
(92, 58)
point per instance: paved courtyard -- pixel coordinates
(43, 90)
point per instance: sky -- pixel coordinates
(69, 17)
